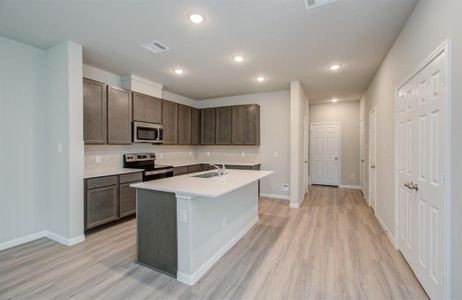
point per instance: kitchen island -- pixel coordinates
(186, 223)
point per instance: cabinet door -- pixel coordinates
(238, 124)
(94, 112)
(252, 125)
(119, 116)
(170, 122)
(127, 200)
(101, 206)
(184, 125)
(208, 126)
(195, 126)
(154, 110)
(224, 125)
(140, 102)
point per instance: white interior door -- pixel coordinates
(325, 149)
(306, 135)
(372, 194)
(421, 146)
(362, 156)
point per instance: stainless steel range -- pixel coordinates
(147, 161)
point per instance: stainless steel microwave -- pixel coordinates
(147, 133)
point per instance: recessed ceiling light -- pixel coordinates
(260, 78)
(335, 67)
(178, 71)
(335, 100)
(238, 58)
(196, 18)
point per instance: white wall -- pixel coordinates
(429, 26)
(21, 91)
(347, 113)
(275, 141)
(299, 107)
(42, 188)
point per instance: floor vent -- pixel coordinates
(309, 4)
(155, 47)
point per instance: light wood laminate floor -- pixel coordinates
(330, 248)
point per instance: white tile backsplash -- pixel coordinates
(110, 156)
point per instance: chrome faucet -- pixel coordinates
(222, 169)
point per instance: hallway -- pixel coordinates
(330, 248)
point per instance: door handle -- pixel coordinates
(362, 160)
(411, 186)
(373, 167)
(336, 158)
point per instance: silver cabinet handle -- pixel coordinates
(411, 186)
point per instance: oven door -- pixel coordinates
(146, 132)
(157, 174)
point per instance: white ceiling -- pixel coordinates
(279, 39)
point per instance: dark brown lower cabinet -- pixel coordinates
(101, 206)
(177, 171)
(194, 168)
(109, 198)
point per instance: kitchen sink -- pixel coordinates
(207, 175)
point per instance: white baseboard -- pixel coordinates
(65, 241)
(353, 187)
(275, 196)
(294, 205)
(22, 240)
(385, 228)
(190, 279)
(39, 235)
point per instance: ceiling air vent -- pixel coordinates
(155, 47)
(309, 4)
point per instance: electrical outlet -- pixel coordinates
(161, 155)
(190, 153)
(98, 159)
(208, 153)
(243, 154)
(285, 187)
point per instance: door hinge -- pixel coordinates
(442, 279)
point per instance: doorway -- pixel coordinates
(362, 156)
(372, 190)
(423, 159)
(324, 153)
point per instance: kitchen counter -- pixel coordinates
(204, 187)
(186, 223)
(190, 163)
(108, 172)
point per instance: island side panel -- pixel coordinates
(214, 225)
(157, 231)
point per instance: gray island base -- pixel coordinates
(183, 235)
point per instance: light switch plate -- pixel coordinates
(98, 159)
(60, 147)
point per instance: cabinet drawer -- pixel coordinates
(180, 171)
(132, 177)
(194, 168)
(93, 183)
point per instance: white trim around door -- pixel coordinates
(372, 161)
(442, 53)
(330, 153)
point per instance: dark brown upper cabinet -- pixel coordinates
(184, 125)
(238, 124)
(94, 112)
(195, 126)
(224, 125)
(170, 122)
(252, 125)
(208, 120)
(147, 108)
(119, 111)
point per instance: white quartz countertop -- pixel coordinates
(190, 163)
(204, 187)
(108, 172)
